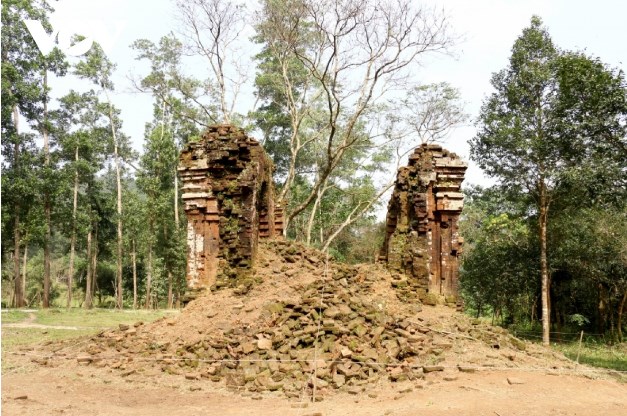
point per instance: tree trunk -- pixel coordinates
(18, 296)
(170, 293)
(88, 297)
(47, 205)
(118, 274)
(24, 273)
(94, 265)
(312, 216)
(134, 260)
(176, 201)
(168, 267)
(149, 276)
(73, 239)
(544, 268)
(619, 318)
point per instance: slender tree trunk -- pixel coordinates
(168, 267)
(176, 201)
(118, 274)
(18, 293)
(134, 260)
(312, 216)
(18, 296)
(149, 276)
(73, 238)
(544, 268)
(177, 224)
(24, 272)
(88, 295)
(47, 205)
(619, 318)
(170, 293)
(94, 265)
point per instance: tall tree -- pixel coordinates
(25, 95)
(547, 117)
(156, 178)
(81, 131)
(353, 54)
(97, 68)
(211, 29)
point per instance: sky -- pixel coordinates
(486, 29)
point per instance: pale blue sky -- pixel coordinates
(488, 29)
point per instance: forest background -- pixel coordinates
(91, 214)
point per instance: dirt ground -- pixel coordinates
(509, 376)
(57, 391)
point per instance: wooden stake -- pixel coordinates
(579, 349)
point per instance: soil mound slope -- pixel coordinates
(310, 324)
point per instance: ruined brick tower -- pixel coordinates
(422, 240)
(229, 201)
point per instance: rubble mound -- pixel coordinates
(309, 324)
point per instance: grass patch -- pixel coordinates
(18, 339)
(14, 338)
(13, 315)
(597, 355)
(87, 322)
(97, 318)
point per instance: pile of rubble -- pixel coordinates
(308, 324)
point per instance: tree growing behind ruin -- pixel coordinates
(325, 72)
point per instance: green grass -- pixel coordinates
(97, 318)
(87, 322)
(597, 355)
(13, 315)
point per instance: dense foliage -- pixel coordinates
(554, 135)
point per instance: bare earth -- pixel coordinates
(75, 392)
(511, 377)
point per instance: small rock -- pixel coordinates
(192, 376)
(346, 352)
(299, 405)
(22, 397)
(513, 380)
(84, 359)
(264, 344)
(432, 368)
(450, 378)
(466, 369)
(123, 327)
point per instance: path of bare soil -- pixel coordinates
(85, 392)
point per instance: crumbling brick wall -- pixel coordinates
(229, 201)
(422, 242)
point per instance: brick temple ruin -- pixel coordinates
(229, 201)
(422, 239)
(228, 194)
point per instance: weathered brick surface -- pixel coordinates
(422, 243)
(229, 201)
